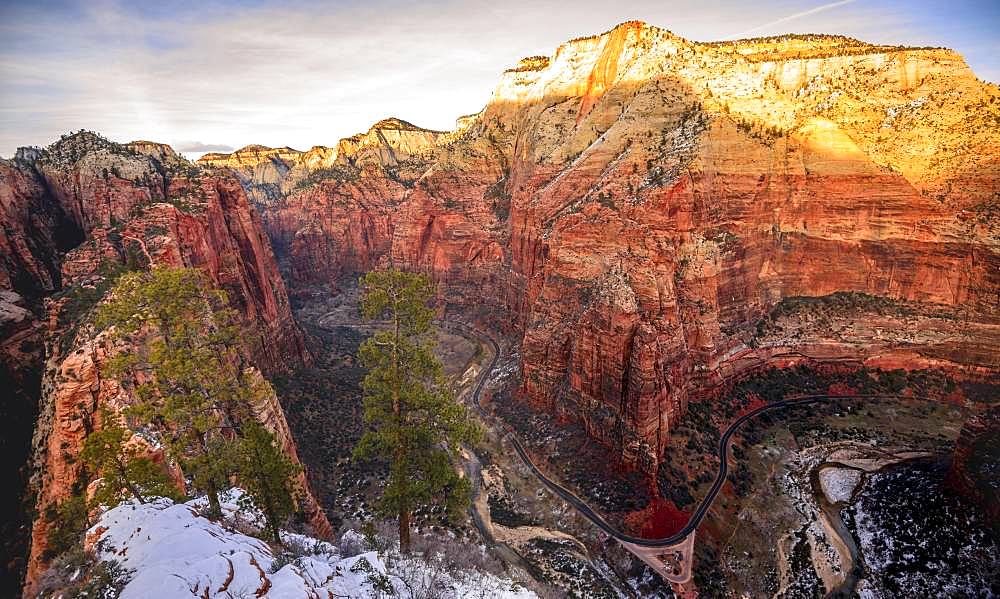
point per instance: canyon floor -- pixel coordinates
(798, 517)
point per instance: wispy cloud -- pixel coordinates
(197, 146)
(792, 17)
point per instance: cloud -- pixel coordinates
(197, 146)
(792, 17)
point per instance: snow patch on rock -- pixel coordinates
(838, 484)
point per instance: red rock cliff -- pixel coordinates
(634, 204)
(154, 210)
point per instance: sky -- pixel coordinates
(213, 75)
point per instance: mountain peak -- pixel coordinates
(395, 124)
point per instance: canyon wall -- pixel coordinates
(633, 205)
(637, 212)
(974, 471)
(391, 147)
(110, 207)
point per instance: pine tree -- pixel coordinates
(416, 424)
(195, 389)
(122, 466)
(67, 521)
(268, 476)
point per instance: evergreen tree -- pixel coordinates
(268, 476)
(194, 386)
(416, 424)
(122, 466)
(67, 521)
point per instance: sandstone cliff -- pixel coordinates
(123, 207)
(974, 470)
(259, 168)
(632, 206)
(269, 174)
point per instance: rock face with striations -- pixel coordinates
(269, 174)
(633, 205)
(663, 195)
(137, 204)
(974, 468)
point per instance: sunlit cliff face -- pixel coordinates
(271, 173)
(632, 205)
(837, 96)
(641, 200)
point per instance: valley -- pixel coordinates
(751, 285)
(783, 524)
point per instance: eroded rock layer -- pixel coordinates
(633, 205)
(391, 146)
(74, 214)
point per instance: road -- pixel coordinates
(706, 503)
(670, 556)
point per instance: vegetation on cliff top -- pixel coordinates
(192, 395)
(200, 396)
(334, 172)
(122, 465)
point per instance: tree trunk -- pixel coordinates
(135, 492)
(404, 531)
(123, 473)
(272, 523)
(400, 457)
(214, 506)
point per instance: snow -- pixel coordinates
(839, 483)
(174, 552)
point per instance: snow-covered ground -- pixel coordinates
(920, 540)
(170, 551)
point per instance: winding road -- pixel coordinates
(677, 568)
(706, 503)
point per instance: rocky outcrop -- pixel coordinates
(387, 144)
(974, 472)
(34, 232)
(150, 209)
(84, 190)
(162, 153)
(259, 168)
(210, 225)
(633, 205)
(99, 182)
(391, 146)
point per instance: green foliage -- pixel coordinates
(105, 580)
(67, 521)
(76, 574)
(843, 303)
(122, 466)
(334, 172)
(379, 582)
(268, 476)
(416, 423)
(81, 298)
(373, 540)
(199, 392)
